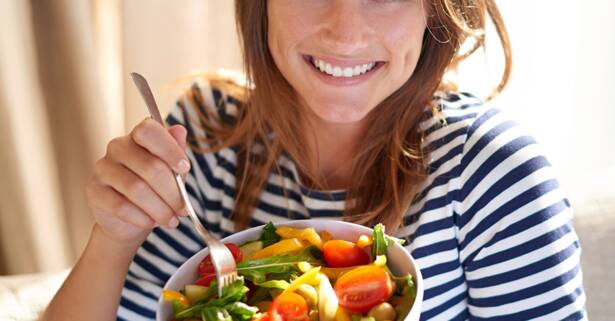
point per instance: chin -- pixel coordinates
(341, 113)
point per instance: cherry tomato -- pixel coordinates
(289, 306)
(205, 280)
(206, 266)
(362, 288)
(340, 253)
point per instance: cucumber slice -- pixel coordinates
(195, 292)
(248, 249)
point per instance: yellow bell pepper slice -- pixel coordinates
(306, 234)
(310, 277)
(325, 236)
(180, 301)
(304, 266)
(341, 315)
(365, 241)
(280, 248)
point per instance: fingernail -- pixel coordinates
(183, 166)
(174, 222)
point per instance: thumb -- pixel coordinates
(179, 133)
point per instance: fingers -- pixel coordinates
(108, 200)
(148, 167)
(179, 133)
(136, 190)
(158, 141)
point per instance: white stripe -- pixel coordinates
(140, 299)
(519, 214)
(130, 315)
(530, 280)
(528, 303)
(146, 286)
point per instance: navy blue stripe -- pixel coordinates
(509, 150)
(504, 210)
(443, 288)
(521, 249)
(172, 242)
(426, 315)
(528, 222)
(438, 269)
(435, 165)
(440, 180)
(525, 271)
(434, 248)
(446, 139)
(152, 269)
(505, 182)
(575, 316)
(481, 120)
(484, 140)
(426, 228)
(152, 249)
(449, 121)
(462, 316)
(137, 309)
(538, 311)
(135, 287)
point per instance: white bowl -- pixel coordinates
(399, 260)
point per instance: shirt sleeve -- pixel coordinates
(209, 185)
(517, 246)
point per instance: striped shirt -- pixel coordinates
(490, 228)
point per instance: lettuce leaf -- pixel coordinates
(269, 236)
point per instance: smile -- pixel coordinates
(346, 70)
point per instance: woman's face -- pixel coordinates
(343, 57)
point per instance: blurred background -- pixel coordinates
(65, 92)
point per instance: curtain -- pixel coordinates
(59, 106)
(64, 93)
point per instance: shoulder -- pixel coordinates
(210, 100)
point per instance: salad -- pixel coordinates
(298, 274)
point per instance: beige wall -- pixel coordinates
(165, 40)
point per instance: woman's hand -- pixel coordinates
(133, 188)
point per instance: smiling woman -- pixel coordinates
(346, 116)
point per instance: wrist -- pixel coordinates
(107, 246)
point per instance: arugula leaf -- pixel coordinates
(269, 236)
(257, 270)
(215, 314)
(236, 291)
(382, 241)
(240, 311)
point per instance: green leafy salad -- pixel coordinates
(293, 274)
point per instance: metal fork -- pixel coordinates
(221, 256)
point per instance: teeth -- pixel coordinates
(337, 71)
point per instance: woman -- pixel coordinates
(347, 116)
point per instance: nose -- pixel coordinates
(346, 29)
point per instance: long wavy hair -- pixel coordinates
(391, 164)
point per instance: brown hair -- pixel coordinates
(391, 163)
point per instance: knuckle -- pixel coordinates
(99, 167)
(122, 209)
(143, 130)
(155, 168)
(113, 145)
(136, 187)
